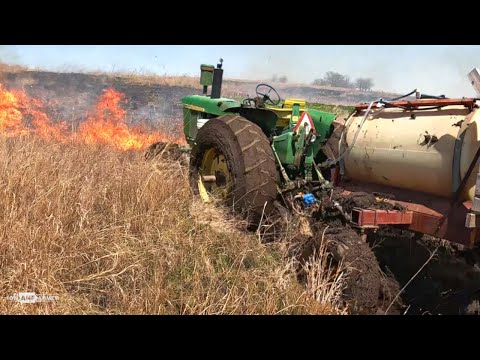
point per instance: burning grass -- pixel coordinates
(21, 114)
(109, 233)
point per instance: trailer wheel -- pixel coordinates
(232, 160)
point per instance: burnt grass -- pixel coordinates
(448, 284)
(69, 96)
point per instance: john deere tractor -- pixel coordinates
(248, 152)
(263, 158)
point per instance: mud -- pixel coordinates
(448, 284)
(365, 201)
(368, 290)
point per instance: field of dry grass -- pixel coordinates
(12, 68)
(110, 233)
(138, 77)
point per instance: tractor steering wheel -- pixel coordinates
(249, 102)
(265, 94)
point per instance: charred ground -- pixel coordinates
(152, 98)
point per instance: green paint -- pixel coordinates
(283, 145)
(211, 106)
(295, 115)
(206, 74)
(190, 123)
(202, 107)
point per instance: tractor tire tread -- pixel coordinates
(252, 162)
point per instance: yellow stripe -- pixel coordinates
(193, 107)
(284, 109)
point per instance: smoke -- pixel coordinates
(434, 69)
(264, 62)
(9, 54)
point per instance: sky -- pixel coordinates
(434, 69)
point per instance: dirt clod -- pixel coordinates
(366, 201)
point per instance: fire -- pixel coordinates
(21, 114)
(17, 110)
(108, 125)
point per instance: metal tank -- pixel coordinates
(412, 148)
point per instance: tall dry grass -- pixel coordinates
(109, 233)
(12, 68)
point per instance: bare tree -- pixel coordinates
(319, 82)
(332, 78)
(364, 84)
(283, 79)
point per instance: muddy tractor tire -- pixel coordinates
(232, 160)
(368, 290)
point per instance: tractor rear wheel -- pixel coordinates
(232, 160)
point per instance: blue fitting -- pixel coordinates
(308, 199)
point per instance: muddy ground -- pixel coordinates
(438, 277)
(448, 284)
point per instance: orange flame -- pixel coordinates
(21, 114)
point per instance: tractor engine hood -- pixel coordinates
(205, 104)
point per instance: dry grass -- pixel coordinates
(139, 77)
(12, 68)
(109, 233)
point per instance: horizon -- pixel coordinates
(434, 69)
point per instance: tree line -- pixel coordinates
(332, 78)
(279, 78)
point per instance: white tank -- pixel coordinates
(428, 152)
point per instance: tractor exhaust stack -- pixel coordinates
(217, 81)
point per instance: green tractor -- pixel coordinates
(266, 160)
(247, 153)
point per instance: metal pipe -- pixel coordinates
(340, 208)
(217, 81)
(209, 178)
(469, 102)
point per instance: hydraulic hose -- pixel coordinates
(329, 163)
(404, 96)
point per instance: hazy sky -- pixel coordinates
(434, 70)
